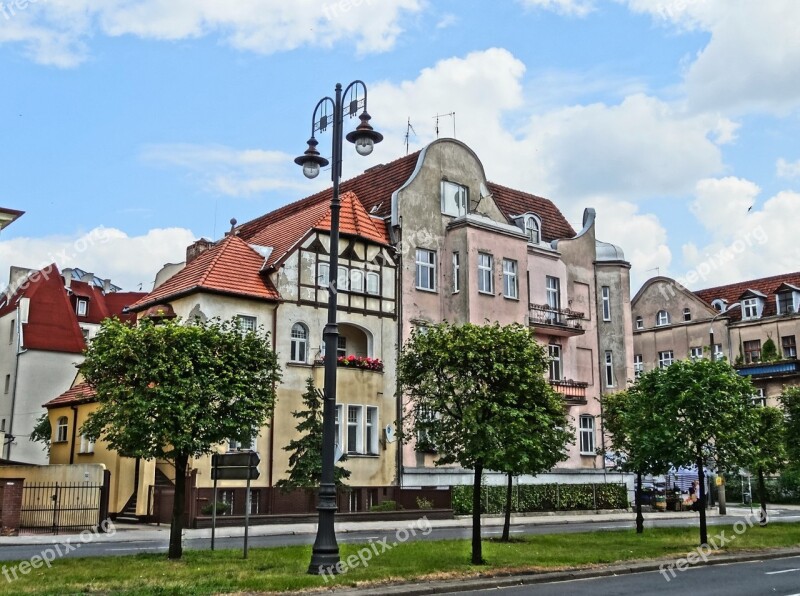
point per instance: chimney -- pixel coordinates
(197, 248)
(67, 273)
(87, 277)
(17, 277)
(106, 286)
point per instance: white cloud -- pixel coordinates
(788, 169)
(55, 31)
(579, 8)
(228, 171)
(752, 60)
(129, 261)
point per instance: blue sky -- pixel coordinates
(130, 129)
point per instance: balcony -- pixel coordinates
(574, 392)
(763, 370)
(562, 322)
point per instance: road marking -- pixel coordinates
(140, 548)
(781, 571)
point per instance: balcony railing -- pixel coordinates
(559, 321)
(769, 369)
(573, 391)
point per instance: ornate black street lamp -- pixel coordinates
(325, 554)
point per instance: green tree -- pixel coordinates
(42, 432)
(769, 450)
(701, 414)
(769, 352)
(305, 461)
(476, 393)
(175, 390)
(790, 400)
(637, 444)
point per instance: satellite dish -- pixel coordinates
(391, 437)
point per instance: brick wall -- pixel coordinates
(10, 505)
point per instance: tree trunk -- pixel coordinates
(178, 507)
(762, 497)
(638, 500)
(507, 523)
(477, 553)
(701, 503)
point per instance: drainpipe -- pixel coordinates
(74, 409)
(398, 292)
(19, 352)
(272, 416)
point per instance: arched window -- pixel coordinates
(639, 322)
(662, 318)
(532, 229)
(299, 345)
(61, 429)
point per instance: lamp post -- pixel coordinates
(723, 509)
(325, 553)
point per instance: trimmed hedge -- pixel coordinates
(543, 497)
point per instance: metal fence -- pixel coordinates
(53, 507)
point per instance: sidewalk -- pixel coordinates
(151, 532)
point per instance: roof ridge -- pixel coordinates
(780, 276)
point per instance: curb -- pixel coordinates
(538, 577)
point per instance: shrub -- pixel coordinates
(385, 506)
(542, 497)
(423, 503)
(222, 508)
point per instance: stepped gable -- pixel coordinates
(229, 267)
(515, 202)
(733, 292)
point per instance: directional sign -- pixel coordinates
(237, 473)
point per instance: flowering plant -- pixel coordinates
(364, 362)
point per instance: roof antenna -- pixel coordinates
(410, 129)
(453, 115)
(656, 269)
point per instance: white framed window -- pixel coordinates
(687, 314)
(750, 308)
(456, 272)
(454, 198)
(426, 269)
(532, 229)
(337, 432)
(606, 300)
(510, 284)
(696, 353)
(373, 283)
(553, 293)
(639, 322)
(638, 365)
(341, 346)
(323, 275)
(87, 446)
(342, 279)
(356, 280)
(718, 355)
(485, 273)
(586, 435)
(424, 442)
(246, 323)
(662, 318)
(554, 350)
(82, 307)
(355, 434)
(752, 351)
(372, 429)
(785, 302)
(665, 358)
(760, 398)
(609, 368)
(61, 429)
(298, 351)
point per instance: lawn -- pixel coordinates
(284, 569)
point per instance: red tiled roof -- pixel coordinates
(77, 394)
(229, 267)
(515, 202)
(355, 221)
(733, 292)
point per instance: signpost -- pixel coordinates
(239, 465)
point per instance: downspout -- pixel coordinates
(74, 409)
(19, 352)
(398, 396)
(272, 416)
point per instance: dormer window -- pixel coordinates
(750, 308)
(82, 307)
(719, 305)
(532, 229)
(785, 303)
(662, 318)
(454, 199)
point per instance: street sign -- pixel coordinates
(236, 459)
(235, 473)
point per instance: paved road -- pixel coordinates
(159, 541)
(775, 577)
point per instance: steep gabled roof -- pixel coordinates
(767, 286)
(78, 394)
(355, 221)
(515, 202)
(229, 267)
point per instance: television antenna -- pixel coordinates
(409, 130)
(451, 114)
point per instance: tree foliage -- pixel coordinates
(790, 400)
(42, 432)
(768, 455)
(478, 394)
(175, 390)
(305, 461)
